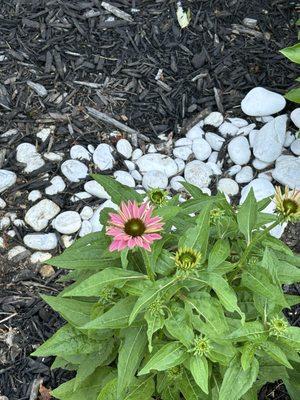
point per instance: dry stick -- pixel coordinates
(116, 11)
(109, 120)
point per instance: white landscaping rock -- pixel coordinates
(182, 152)
(39, 215)
(129, 165)
(289, 139)
(295, 117)
(57, 186)
(155, 179)
(213, 157)
(38, 257)
(198, 173)
(79, 152)
(67, 240)
(215, 119)
(74, 170)
(175, 183)
(17, 253)
(295, 147)
(196, 132)
(2, 204)
(80, 196)
(201, 149)
(34, 195)
(287, 171)
(7, 179)
(260, 102)
(124, 148)
(180, 165)
(44, 241)
(259, 165)
(136, 154)
(4, 223)
(55, 157)
(252, 136)
(239, 122)
(245, 131)
(85, 229)
(43, 134)
(262, 188)
(103, 157)
(136, 175)
(234, 170)
(228, 129)
(228, 186)
(124, 178)
(28, 155)
(239, 150)
(215, 141)
(245, 175)
(157, 162)
(269, 140)
(95, 189)
(86, 213)
(95, 220)
(183, 142)
(67, 222)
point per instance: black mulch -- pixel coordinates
(84, 57)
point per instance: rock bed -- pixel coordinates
(57, 201)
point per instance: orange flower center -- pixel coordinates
(134, 227)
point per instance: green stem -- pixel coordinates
(256, 240)
(146, 259)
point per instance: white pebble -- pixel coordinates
(55, 157)
(259, 165)
(2, 204)
(18, 222)
(198, 173)
(4, 222)
(287, 171)
(129, 165)
(39, 215)
(79, 152)
(74, 170)
(57, 186)
(295, 147)
(86, 213)
(239, 150)
(34, 195)
(182, 152)
(17, 252)
(39, 89)
(228, 129)
(215, 167)
(155, 179)
(245, 131)
(266, 175)
(85, 229)
(201, 149)
(95, 220)
(43, 241)
(91, 148)
(136, 154)
(157, 162)
(228, 186)
(152, 149)
(39, 257)
(215, 141)
(289, 138)
(80, 196)
(175, 183)
(245, 175)
(196, 132)
(265, 119)
(67, 222)
(103, 157)
(67, 240)
(183, 142)
(215, 119)
(260, 102)
(213, 157)
(262, 188)
(28, 155)
(180, 165)
(252, 136)
(239, 122)
(136, 175)
(295, 117)
(7, 179)
(234, 169)
(95, 189)
(124, 148)
(43, 134)
(124, 178)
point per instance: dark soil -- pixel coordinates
(84, 58)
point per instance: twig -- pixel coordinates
(116, 11)
(7, 318)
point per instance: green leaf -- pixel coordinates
(89, 389)
(218, 254)
(287, 273)
(291, 337)
(236, 381)
(179, 327)
(150, 295)
(224, 291)
(292, 53)
(142, 388)
(130, 356)
(248, 352)
(168, 356)
(68, 340)
(197, 236)
(189, 388)
(115, 318)
(116, 190)
(109, 391)
(109, 277)
(258, 281)
(199, 369)
(247, 216)
(89, 252)
(155, 322)
(75, 312)
(276, 353)
(293, 95)
(254, 331)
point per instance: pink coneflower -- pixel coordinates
(133, 227)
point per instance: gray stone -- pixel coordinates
(57, 186)
(228, 186)
(27, 154)
(124, 178)
(201, 149)
(124, 148)
(287, 171)
(155, 179)
(260, 102)
(198, 173)
(39, 215)
(239, 150)
(245, 175)
(103, 157)
(67, 222)
(79, 152)
(41, 241)
(74, 170)
(157, 162)
(7, 179)
(95, 189)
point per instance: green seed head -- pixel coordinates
(187, 259)
(202, 346)
(157, 197)
(216, 214)
(175, 372)
(156, 307)
(278, 326)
